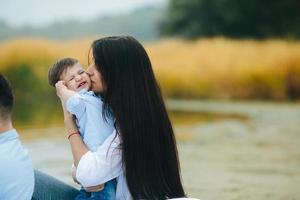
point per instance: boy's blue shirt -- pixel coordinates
(87, 107)
(16, 170)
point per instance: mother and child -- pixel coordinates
(121, 137)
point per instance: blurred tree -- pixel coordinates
(32, 95)
(25, 86)
(232, 18)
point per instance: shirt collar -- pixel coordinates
(8, 135)
(85, 91)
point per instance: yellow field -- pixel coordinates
(206, 68)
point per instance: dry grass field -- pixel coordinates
(205, 68)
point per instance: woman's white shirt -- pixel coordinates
(102, 165)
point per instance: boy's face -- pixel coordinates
(76, 79)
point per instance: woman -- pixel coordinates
(142, 152)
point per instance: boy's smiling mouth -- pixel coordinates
(81, 84)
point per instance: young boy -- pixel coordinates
(87, 110)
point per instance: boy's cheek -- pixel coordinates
(71, 86)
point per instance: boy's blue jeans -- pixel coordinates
(108, 192)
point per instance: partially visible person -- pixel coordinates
(142, 151)
(73, 84)
(16, 170)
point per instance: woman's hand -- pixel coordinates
(60, 86)
(63, 92)
(96, 188)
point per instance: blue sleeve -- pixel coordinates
(76, 105)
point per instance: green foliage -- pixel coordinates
(232, 18)
(33, 97)
(23, 79)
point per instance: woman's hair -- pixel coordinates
(131, 92)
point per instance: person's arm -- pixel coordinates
(78, 148)
(100, 166)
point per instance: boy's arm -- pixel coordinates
(63, 92)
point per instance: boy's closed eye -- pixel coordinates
(71, 78)
(81, 72)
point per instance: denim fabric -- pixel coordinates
(108, 193)
(49, 188)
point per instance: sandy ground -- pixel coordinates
(255, 157)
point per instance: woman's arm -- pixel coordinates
(102, 165)
(93, 168)
(78, 148)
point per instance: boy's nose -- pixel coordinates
(77, 77)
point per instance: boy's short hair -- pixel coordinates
(6, 98)
(58, 68)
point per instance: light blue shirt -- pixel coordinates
(16, 170)
(87, 107)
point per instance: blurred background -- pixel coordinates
(229, 71)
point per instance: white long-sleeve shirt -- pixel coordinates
(102, 165)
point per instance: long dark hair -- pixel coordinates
(132, 94)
